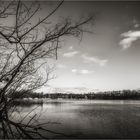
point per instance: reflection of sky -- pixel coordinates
(90, 119)
(107, 59)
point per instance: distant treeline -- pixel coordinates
(124, 94)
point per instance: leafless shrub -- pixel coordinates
(24, 50)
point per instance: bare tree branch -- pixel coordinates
(25, 49)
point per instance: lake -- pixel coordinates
(87, 118)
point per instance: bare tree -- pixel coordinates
(26, 43)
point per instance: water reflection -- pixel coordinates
(90, 118)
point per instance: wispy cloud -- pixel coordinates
(86, 71)
(70, 48)
(136, 25)
(70, 54)
(135, 22)
(83, 71)
(128, 38)
(74, 70)
(60, 66)
(89, 59)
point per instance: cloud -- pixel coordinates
(89, 59)
(135, 22)
(70, 48)
(136, 25)
(129, 38)
(70, 54)
(74, 70)
(83, 71)
(60, 66)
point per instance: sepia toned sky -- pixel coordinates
(107, 59)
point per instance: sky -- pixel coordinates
(106, 59)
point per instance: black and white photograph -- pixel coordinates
(69, 69)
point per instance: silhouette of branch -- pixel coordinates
(25, 49)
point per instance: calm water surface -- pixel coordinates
(89, 118)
